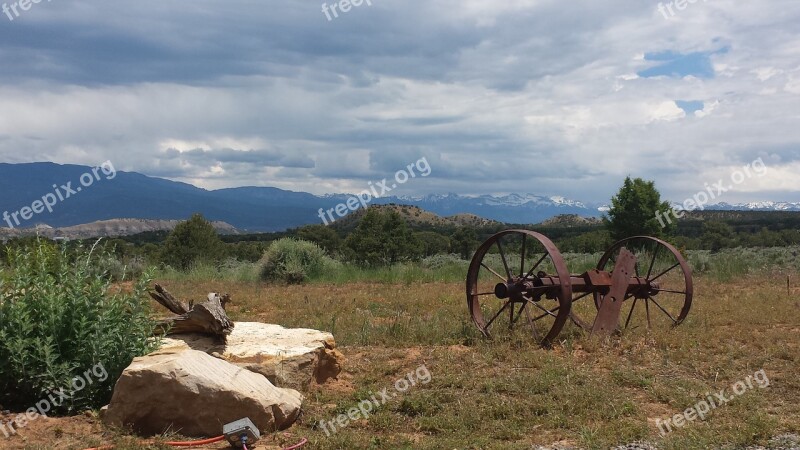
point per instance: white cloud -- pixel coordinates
(524, 95)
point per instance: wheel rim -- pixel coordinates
(668, 301)
(494, 297)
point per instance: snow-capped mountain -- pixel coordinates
(748, 206)
(756, 206)
(510, 208)
(135, 196)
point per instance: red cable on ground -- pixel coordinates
(193, 443)
(203, 442)
(298, 445)
(173, 444)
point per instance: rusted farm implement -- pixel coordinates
(521, 272)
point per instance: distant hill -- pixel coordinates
(105, 228)
(416, 217)
(570, 220)
(251, 209)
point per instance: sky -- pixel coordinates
(520, 96)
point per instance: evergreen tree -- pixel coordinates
(321, 235)
(635, 210)
(382, 237)
(192, 241)
(464, 241)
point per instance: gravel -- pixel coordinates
(782, 442)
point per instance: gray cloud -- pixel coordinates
(519, 96)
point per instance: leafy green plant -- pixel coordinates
(294, 261)
(60, 317)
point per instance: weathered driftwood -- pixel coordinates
(207, 318)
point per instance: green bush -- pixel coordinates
(294, 261)
(115, 269)
(59, 318)
(437, 262)
(229, 270)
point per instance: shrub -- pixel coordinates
(699, 261)
(59, 318)
(293, 261)
(113, 268)
(437, 262)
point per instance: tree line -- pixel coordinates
(383, 236)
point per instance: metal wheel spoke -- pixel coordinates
(547, 311)
(519, 313)
(665, 272)
(671, 291)
(532, 324)
(483, 293)
(497, 315)
(664, 311)
(652, 262)
(647, 308)
(630, 314)
(503, 257)
(581, 296)
(496, 274)
(530, 272)
(522, 262)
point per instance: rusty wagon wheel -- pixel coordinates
(501, 270)
(666, 299)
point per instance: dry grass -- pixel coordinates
(510, 394)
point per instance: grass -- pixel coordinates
(510, 394)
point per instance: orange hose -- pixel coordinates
(298, 445)
(203, 442)
(173, 444)
(193, 443)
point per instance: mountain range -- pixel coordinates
(132, 195)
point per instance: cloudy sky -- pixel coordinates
(527, 96)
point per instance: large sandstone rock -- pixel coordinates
(288, 357)
(196, 394)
